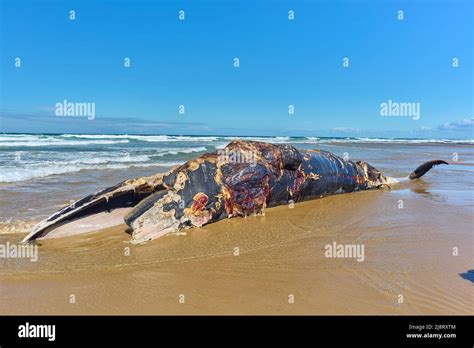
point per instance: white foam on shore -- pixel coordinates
(176, 151)
(14, 175)
(33, 164)
(40, 156)
(58, 142)
(146, 138)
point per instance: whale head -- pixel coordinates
(374, 177)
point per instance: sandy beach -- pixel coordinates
(289, 172)
(272, 264)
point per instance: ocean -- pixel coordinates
(26, 157)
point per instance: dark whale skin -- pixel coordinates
(212, 188)
(243, 179)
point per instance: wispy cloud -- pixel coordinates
(40, 123)
(345, 130)
(466, 124)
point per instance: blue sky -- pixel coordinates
(282, 62)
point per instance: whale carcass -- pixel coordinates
(244, 178)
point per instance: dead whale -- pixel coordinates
(243, 179)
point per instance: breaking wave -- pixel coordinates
(31, 156)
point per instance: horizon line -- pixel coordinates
(228, 135)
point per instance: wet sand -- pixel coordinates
(281, 253)
(408, 252)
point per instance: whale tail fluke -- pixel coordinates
(424, 168)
